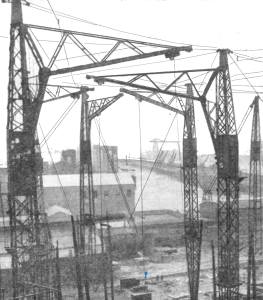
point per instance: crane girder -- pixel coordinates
(146, 50)
(149, 100)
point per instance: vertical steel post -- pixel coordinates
(77, 261)
(110, 261)
(58, 275)
(193, 227)
(86, 191)
(104, 270)
(213, 269)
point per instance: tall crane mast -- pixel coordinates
(227, 185)
(255, 204)
(193, 227)
(24, 168)
(86, 167)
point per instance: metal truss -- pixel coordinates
(193, 227)
(165, 94)
(133, 49)
(255, 204)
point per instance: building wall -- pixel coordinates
(112, 199)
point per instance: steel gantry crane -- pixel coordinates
(220, 119)
(255, 204)
(193, 227)
(26, 93)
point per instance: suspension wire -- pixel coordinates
(42, 48)
(181, 166)
(245, 117)
(58, 122)
(54, 166)
(244, 75)
(64, 46)
(208, 72)
(250, 77)
(53, 11)
(247, 50)
(116, 177)
(247, 57)
(99, 131)
(68, 16)
(154, 163)
(254, 72)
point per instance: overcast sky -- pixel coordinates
(221, 24)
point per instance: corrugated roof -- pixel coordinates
(73, 179)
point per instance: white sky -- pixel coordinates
(232, 24)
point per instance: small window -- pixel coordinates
(106, 194)
(129, 193)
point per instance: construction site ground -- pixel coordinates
(167, 275)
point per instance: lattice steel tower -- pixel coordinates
(255, 204)
(193, 227)
(227, 185)
(28, 249)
